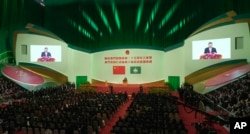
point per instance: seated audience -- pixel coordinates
(189, 96)
(150, 113)
(9, 89)
(57, 109)
(235, 97)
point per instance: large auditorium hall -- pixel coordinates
(124, 67)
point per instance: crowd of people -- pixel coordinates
(59, 110)
(235, 97)
(62, 109)
(190, 97)
(150, 113)
(9, 89)
(199, 103)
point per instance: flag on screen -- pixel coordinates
(118, 69)
(135, 70)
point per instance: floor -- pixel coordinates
(121, 112)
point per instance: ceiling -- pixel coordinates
(95, 25)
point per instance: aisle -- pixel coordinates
(189, 117)
(120, 113)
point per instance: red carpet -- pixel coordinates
(22, 75)
(120, 113)
(219, 129)
(189, 118)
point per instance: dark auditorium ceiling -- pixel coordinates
(95, 25)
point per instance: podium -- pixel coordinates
(43, 59)
(211, 56)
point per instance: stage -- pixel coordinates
(103, 86)
(22, 75)
(25, 78)
(129, 88)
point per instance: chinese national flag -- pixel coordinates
(118, 69)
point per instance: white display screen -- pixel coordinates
(45, 53)
(211, 49)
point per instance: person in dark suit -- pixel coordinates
(141, 89)
(210, 49)
(111, 88)
(45, 53)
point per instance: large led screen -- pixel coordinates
(211, 49)
(45, 53)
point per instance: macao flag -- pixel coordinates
(135, 70)
(118, 69)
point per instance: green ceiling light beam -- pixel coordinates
(183, 22)
(90, 21)
(85, 32)
(116, 14)
(147, 27)
(139, 14)
(104, 18)
(173, 30)
(82, 30)
(169, 14)
(152, 15)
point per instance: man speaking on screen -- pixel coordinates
(210, 49)
(45, 53)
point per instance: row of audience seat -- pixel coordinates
(235, 97)
(9, 89)
(150, 113)
(230, 100)
(59, 110)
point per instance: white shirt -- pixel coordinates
(210, 50)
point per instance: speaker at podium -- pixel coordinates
(125, 80)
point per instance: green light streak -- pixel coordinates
(90, 21)
(169, 14)
(152, 15)
(82, 30)
(115, 12)
(182, 23)
(104, 18)
(139, 14)
(147, 27)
